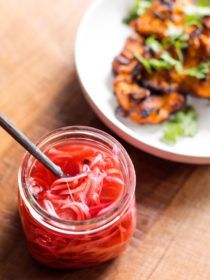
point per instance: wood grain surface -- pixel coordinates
(39, 92)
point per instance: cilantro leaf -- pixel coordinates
(176, 34)
(193, 20)
(145, 62)
(153, 63)
(203, 3)
(165, 56)
(200, 72)
(178, 46)
(173, 31)
(153, 44)
(139, 9)
(159, 64)
(177, 38)
(195, 13)
(184, 123)
(172, 131)
(188, 121)
(166, 61)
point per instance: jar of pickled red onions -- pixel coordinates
(89, 216)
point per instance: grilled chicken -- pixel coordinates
(152, 97)
(200, 88)
(142, 107)
(197, 52)
(158, 17)
(128, 92)
(125, 62)
(157, 108)
(159, 81)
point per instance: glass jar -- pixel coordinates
(62, 243)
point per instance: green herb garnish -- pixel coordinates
(139, 9)
(173, 31)
(165, 56)
(145, 62)
(166, 61)
(200, 72)
(203, 3)
(152, 64)
(153, 44)
(183, 123)
(176, 35)
(195, 13)
(178, 39)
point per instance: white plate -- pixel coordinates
(100, 38)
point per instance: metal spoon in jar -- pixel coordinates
(29, 146)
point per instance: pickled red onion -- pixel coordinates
(82, 195)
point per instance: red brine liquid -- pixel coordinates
(94, 187)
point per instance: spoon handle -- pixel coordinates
(29, 146)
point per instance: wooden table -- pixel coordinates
(39, 92)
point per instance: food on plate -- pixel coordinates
(156, 108)
(166, 58)
(95, 202)
(126, 62)
(183, 123)
(159, 16)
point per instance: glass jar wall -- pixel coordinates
(83, 240)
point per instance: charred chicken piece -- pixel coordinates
(157, 108)
(158, 17)
(125, 62)
(197, 52)
(128, 92)
(205, 44)
(200, 88)
(205, 36)
(198, 44)
(159, 81)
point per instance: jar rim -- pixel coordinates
(87, 131)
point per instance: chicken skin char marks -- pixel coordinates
(155, 108)
(160, 14)
(125, 62)
(151, 96)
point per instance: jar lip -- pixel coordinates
(85, 130)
